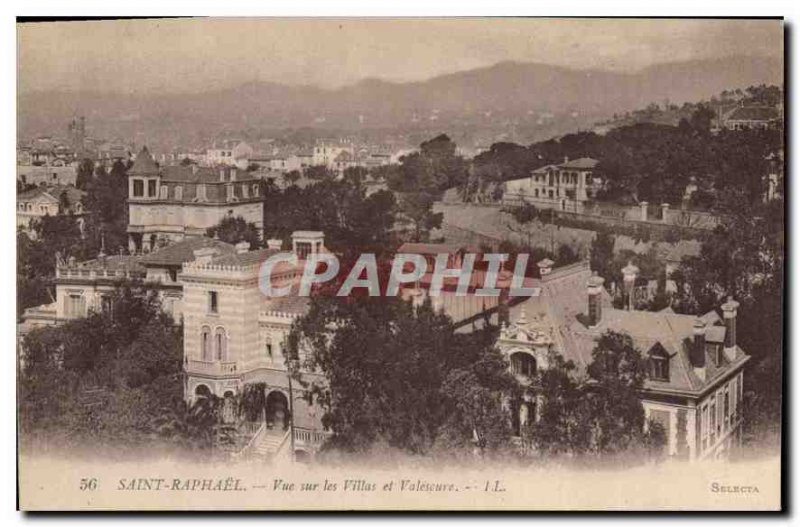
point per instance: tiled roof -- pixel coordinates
(178, 253)
(74, 195)
(144, 164)
(583, 163)
(562, 305)
(244, 259)
(189, 174)
(291, 304)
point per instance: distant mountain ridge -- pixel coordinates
(507, 93)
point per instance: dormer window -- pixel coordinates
(138, 188)
(659, 363)
(151, 188)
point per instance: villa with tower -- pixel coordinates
(166, 204)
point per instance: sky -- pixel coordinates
(196, 55)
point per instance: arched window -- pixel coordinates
(205, 343)
(164, 192)
(523, 364)
(221, 344)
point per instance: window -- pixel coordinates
(213, 302)
(173, 275)
(659, 363)
(179, 192)
(151, 188)
(138, 188)
(255, 189)
(704, 428)
(205, 343)
(164, 192)
(659, 368)
(245, 190)
(523, 364)
(76, 306)
(105, 304)
(269, 348)
(712, 412)
(221, 344)
(201, 192)
(727, 408)
(303, 249)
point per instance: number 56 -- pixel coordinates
(88, 484)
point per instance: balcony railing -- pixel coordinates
(304, 437)
(211, 367)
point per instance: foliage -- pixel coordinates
(234, 230)
(113, 377)
(601, 415)
(399, 375)
(352, 221)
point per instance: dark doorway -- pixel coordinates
(277, 411)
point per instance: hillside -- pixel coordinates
(523, 99)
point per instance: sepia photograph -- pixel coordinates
(400, 264)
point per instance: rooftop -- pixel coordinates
(144, 165)
(177, 254)
(244, 259)
(752, 113)
(560, 310)
(583, 163)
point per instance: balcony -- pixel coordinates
(211, 368)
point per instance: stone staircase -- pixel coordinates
(268, 443)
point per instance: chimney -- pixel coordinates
(729, 315)
(697, 352)
(566, 159)
(222, 174)
(594, 287)
(274, 244)
(242, 247)
(643, 207)
(545, 267)
(629, 274)
(664, 212)
(205, 255)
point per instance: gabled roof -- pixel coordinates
(144, 164)
(583, 163)
(176, 254)
(53, 193)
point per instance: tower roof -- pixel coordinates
(144, 164)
